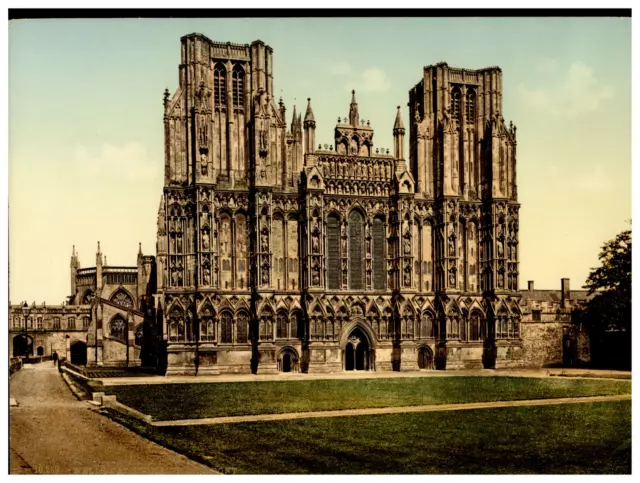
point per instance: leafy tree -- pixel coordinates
(608, 312)
(611, 284)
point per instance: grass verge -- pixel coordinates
(184, 401)
(565, 439)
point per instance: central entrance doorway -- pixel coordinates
(357, 353)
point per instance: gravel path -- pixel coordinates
(51, 432)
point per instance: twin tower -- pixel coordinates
(277, 255)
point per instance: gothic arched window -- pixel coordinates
(219, 85)
(333, 252)
(118, 328)
(281, 326)
(295, 321)
(455, 103)
(226, 328)
(238, 86)
(379, 262)
(266, 326)
(242, 328)
(471, 105)
(356, 252)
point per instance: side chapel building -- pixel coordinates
(275, 254)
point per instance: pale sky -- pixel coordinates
(86, 137)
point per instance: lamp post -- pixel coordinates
(25, 312)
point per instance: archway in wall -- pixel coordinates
(425, 358)
(22, 346)
(288, 360)
(357, 352)
(40, 351)
(79, 353)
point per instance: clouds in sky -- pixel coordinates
(578, 92)
(371, 79)
(129, 162)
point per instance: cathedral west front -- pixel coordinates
(275, 253)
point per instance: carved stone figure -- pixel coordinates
(265, 276)
(315, 246)
(264, 242)
(204, 164)
(407, 246)
(206, 276)
(205, 240)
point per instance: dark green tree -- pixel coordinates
(607, 313)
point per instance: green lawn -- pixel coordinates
(182, 401)
(571, 438)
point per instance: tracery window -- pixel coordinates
(471, 105)
(379, 262)
(453, 327)
(56, 322)
(220, 85)
(242, 328)
(71, 323)
(477, 327)
(122, 298)
(356, 252)
(455, 103)
(266, 326)
(118, 328)
(426, 327)
(277, 244)
(226, 328)
(281, 325)
(295, 321)
(333, 252)
(40, 324)
(238, 86)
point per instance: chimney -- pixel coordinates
(530, 282)
(566, 294)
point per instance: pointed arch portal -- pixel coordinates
(358, 354)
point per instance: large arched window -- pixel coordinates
(379, 253)
(242, 323)
(118, 328)
(226, 328)
(220, 85)
(295, 321)
(356, 252)
(238, 86)
(292, 252)
(426, 326)
(455, 103)
(471, 105)
(333, 252)
(281, 325)
(277, 245)
(477, 327)
(266, 325)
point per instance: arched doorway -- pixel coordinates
(22, 346)
(425, 358)
(79, 353)
(357, 353)
(40, 351)
(288, 360)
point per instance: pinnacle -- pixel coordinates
(309, 114)
(398, 124)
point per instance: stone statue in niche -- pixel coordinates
(264, 241)
(204, 164)
(179, 278)
(265, 276)
(452, 278)
(344, 246)
(500, 280)
(314, 226)
(203, 135)
(315, 244)
(205, 239)
(500, 249)
(179, 243)
(206, 277)
(224, 239)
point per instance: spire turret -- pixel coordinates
(398, 124)
(309, 129)
(398, 136)
(354, 117)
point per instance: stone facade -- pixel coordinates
(108, 319)
(549, 336)
(274, 254)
